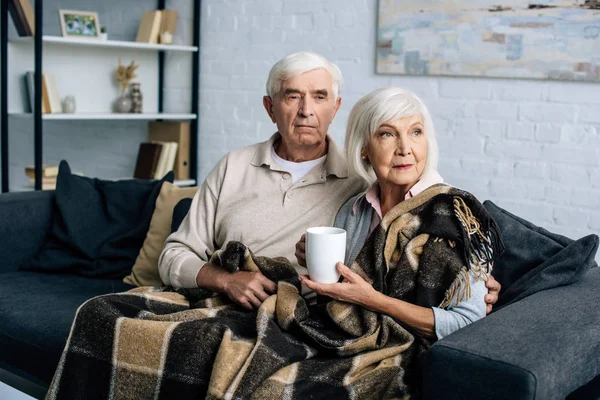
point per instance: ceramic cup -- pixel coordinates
(325, 247)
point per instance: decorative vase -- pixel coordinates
(103, 36)
(136, 98)
(69, 105)
(123, 103)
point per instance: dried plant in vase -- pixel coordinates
(124, 75)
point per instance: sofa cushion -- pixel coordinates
(36, 310)
(536, 259)
(145, 269)
(98, 226)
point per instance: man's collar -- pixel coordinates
(335, 163)
(263, 152)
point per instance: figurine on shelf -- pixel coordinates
(124, 75)
(69, 105)
(103, 34)
(136, 98)
(166, 38)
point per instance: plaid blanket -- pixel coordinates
(190, 344)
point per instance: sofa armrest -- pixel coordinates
(25, 218)
(541, 347)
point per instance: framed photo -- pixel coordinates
(79, 24)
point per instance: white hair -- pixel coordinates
(295, 64)
(377, 108)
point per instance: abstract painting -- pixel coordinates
(554, 40)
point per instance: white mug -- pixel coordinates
(325, 247)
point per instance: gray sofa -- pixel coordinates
(540, 345)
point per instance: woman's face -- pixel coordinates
(397, 150)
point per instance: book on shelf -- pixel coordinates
(149, 28)
(49, 82)
(45, 101)
(48, 171)
(22, 15)
(47, 183)
(172, 156)
(166, 160)
(147, 160)
(29, 78)
(178, 132)
(162, 160)
(168, 25)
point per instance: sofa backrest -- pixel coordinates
(25, 218)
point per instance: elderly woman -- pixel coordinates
(390, 142)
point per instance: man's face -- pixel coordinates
(304, 108)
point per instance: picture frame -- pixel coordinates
(79, 24)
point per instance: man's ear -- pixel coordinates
(338, 103)
(268, 104)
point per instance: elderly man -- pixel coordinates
(267, 194)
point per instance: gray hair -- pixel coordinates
(377, 108)
(295, 64)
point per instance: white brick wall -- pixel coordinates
(530, 146)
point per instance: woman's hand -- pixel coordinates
(491, 298)
(354, 289)
(301, 250)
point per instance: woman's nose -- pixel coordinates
(402, 146)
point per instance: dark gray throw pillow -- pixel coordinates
(98, 226)
(536, 259)
(179, 212)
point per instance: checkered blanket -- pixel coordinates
(190, 344)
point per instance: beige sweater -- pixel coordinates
(248, 198)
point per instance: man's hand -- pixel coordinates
(248, 289)
(493, 290)
(301, 250)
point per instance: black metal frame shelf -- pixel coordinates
(37, 109)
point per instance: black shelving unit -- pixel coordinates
(37, 110)
(4, 96)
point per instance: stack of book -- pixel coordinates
(49, 175)
(50, 98)
(155, 159)
(157, 26)
(172, 131)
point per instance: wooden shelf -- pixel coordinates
(108, 43)
(110, 116)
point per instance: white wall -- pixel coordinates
(530, 146)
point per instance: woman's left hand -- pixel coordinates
(354, 289)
